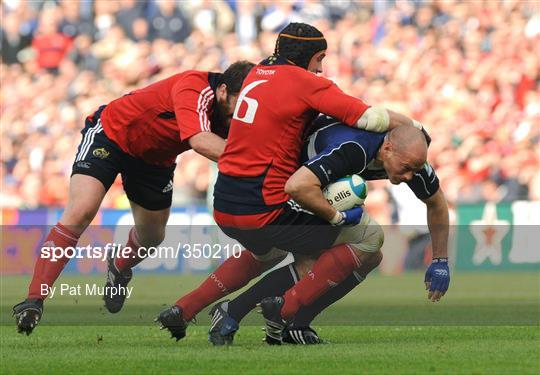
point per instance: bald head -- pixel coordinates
(409, 142)
(404, 151)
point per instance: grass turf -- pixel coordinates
(487, 350)
(488, 323)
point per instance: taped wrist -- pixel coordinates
(337, 219)
(375, 119)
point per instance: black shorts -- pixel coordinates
(147, 185)
(295, 230)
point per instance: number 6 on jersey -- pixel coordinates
(252, 104)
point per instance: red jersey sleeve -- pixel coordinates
(192, 105)
(324, 96)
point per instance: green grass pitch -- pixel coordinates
(487, 324)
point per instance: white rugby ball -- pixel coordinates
(346, 193)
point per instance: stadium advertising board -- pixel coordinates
(487, 237)
(494, 237)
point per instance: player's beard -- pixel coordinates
(222, 118)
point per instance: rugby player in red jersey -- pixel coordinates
(138, 135)
(280, 97)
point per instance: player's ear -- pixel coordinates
(387, 145)
(426, 135)
(221, 92)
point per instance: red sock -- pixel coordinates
(231, 275)
(332, 267)
(130, 258)
(46, 271)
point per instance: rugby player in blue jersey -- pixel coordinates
(331, 152)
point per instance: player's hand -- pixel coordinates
(437, 279)
(350, 217)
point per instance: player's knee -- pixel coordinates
(374, 259)
(372, 240)
(369, 262)
(377, 260)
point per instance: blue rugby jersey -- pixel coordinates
(335, 150)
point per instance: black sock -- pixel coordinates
(276, 283)
(306, 314)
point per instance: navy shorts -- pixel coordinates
(295, 230)
(147, 185)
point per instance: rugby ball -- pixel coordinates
(346, 193)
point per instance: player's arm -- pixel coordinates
(331, 100)
(397, 119)
(437, 278)
(425, 185)
(305, 185)
(305, 188)
(191, 106)
(438, 223)
(207, 144)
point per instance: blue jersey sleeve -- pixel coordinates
(337, 161)
(425, 182)
(335, 150)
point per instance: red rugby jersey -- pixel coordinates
(276, 103)
(155, 122)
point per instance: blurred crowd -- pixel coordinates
(467, 70)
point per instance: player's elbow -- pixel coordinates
(294, 187)
(302, 185)
(299, 186)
